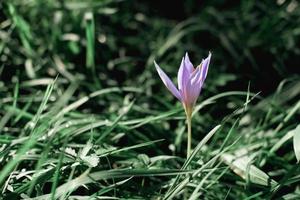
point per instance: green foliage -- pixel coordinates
(85, 116)
(296, 142)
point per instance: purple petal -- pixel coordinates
(183, 75)
(194, 93)
(193, 88)
(196, 81)
(196, 75)
(204, 67)
(168, 83)
(188, 63)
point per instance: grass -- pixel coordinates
(84, 115)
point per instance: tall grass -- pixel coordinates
(85, 116)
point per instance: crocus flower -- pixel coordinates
(190, 81)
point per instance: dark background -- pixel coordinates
(251, 41)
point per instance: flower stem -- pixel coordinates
(189, 136)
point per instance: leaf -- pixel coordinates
(87, 178)
(241, 165)
(296, 142)
(91, 160)
(86, 149)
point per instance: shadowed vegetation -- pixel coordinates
(84, 114)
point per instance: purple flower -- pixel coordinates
(190, 81)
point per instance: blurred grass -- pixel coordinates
(85, 116)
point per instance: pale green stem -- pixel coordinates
(188, 111)
(189, 136)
